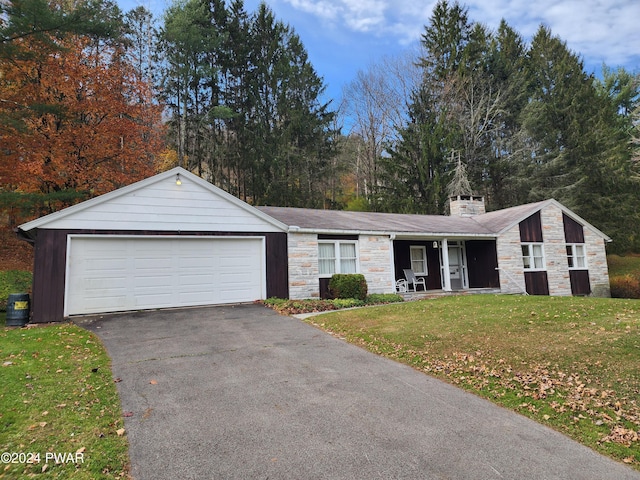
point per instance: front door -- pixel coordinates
(457, 266)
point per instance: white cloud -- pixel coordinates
(598, 30)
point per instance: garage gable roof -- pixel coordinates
(159, 203)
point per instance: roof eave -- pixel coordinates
(389, 233)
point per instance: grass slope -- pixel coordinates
(58, 397)
(570, 363)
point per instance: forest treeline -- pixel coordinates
(92, 99)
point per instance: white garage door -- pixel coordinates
(110, 274)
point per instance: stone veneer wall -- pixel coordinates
(510, 261)
(303, 266)
(375, 264)
(555, 251)
(597, 264)
(512, 270)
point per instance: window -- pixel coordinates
(576, 256)
(418, 260)
(337, 257)
(533, 256)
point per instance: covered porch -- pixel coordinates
(445, 265)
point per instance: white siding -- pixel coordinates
(161, 205)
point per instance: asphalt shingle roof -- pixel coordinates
(488, 224)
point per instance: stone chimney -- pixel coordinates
(466, 205)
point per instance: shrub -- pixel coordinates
(625, 286)
(339, 303)
(378, 298)
(351, 285)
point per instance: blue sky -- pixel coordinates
(344, 36)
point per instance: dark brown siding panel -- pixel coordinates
(531, 229)
(433, 264)
(482, 261)
(324, 288)
(580, 282)
(402, 259)
(536, 283)
(49, 272)
(277, 265)
(573, 231)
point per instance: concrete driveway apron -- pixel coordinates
(240, 392)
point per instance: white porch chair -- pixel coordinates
(414, 281)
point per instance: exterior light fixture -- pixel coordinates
(435, 244)
(178, 181)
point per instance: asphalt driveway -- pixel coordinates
(241, 392)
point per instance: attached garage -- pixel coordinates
(116, 273)
(172, 240)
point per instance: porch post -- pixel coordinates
(446, 275)
(392, 262)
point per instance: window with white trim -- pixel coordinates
(576, 256)
(418, 259)
(533, 256)
(337, 256)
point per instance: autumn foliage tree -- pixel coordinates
(81, 122)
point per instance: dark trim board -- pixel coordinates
(51, 256)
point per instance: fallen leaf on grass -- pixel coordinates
(622, 435)
(36, 425)
(120, 432)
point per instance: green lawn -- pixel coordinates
(623, 265)
(571, 363)
(13, 281)
(59, 401)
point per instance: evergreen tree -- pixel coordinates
(415, 174)
(186, 40)
(245, 102)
